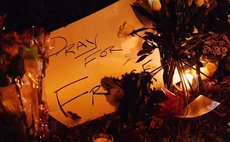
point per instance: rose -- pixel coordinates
(12, 50)
(9, 44)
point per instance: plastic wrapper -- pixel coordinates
(26, 100)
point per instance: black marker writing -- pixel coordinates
(93, 91)
(93, 58)
(93, 43)
(62, 49)
(87, 49)
(56, 92)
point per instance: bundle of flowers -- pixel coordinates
(188, 34)
(23, 60)
(15, 48)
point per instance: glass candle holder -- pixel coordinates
(102, 137)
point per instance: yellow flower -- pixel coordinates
(155, 4)
(217, 49)
(205, 51)
(125, 30)
(224, 49)
(214, 53)
(199, 3)
(207, 48)
(228, 46)
(211, 68)
(221, 43)
(225, 38)
(208, 43)
(218, 52)
(213, 42)
(223, 54)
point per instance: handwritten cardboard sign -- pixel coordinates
(83, 53)
(200, 106)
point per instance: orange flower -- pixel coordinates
(224, 49)
(199, 3)
(205, 51)
(9, 43)
(155, 5)
(11, 50)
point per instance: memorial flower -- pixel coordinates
(15, 48)
(23, 60)
(186, 35)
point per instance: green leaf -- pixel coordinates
(31, 52)
(149, 48)
(141, 58)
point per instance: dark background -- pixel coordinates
(53, 14)
(50, 14)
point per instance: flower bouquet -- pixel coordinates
(189, 34)
(192, 37)
(23, 59)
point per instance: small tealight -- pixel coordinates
(102, 137)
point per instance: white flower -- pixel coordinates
(115, 95)
(155, 4)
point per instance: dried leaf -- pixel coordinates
(152, 36)
(138, 30)
(141, 52)
(147, 47)
(141, 58)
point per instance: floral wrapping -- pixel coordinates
(23, 59)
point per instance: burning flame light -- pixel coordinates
(188, 79)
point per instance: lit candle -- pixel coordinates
(102, 137)
(209, 69)
(187, 77)
(188, 80)
(102, 140)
